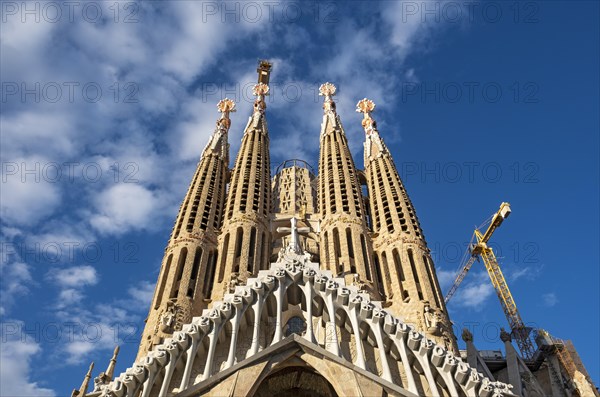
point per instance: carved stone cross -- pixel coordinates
(294, 230)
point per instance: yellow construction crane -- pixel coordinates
(480, 249)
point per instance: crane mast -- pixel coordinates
(481, 250)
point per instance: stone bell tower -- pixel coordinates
(244, 243)
(188, 267)
(345, 242)
(273, 287)
(409, 280)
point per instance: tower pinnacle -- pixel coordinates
(264, 71)
(84, 385)
(110, 371)
(226, 106)
(244, 240)
(185, 283)
(366, 106)
(260, 90)
(345, 242)
(328, 91)
(405, 270)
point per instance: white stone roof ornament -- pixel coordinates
(373, 140)
(225, 106)
(260, 90)
(328, 91)
(366, 106)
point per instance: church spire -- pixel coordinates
(345, 242)
(110, 371)
(84, 385)
(188, 267)
(405, 270)
(245, 238)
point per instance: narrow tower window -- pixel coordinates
(326, 248)
(222, 267)
(363, 245)
(194, 275)
(163, 281)
(252, 249)
(349, 242)
(179, 273)
(378, 275)
(336, 249)
(415, 275)
(431, 281)
(400, 273)
(262, 251)
(210, 275)
(238, 242)
(239, 235)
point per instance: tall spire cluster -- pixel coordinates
(230, 223)
(306, 283)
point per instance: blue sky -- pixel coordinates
(104, 118)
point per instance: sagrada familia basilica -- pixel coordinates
(298, 284)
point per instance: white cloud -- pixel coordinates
(550, 299)
(526, 272)
(108, 325)
(26, 196)
(16, 282)
(74, 277)
(125, 207)
(142, 293)
(475, 292)
(16, 356)
(16, 276)
(445, 278)
(408, 29)
(72, 281)
(475, 295)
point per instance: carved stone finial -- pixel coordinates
(226, 106)
(110, 371)
(264, 71)
(467, 336)
(327, 90)
(84, 385)
(366, 106)
(260, 89)
(505, 336)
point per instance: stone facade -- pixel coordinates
(346, 247)
(406, 273)
(301, 285)
(245, 238)
(185, 281)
